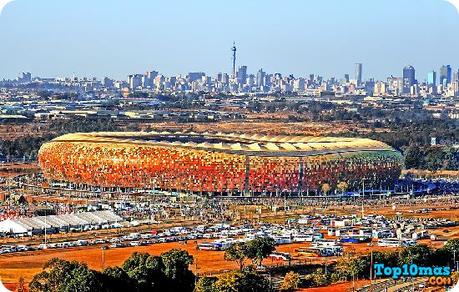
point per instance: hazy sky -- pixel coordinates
(118, 37)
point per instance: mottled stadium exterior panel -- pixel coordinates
(219, 163)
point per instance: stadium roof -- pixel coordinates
(234, 143)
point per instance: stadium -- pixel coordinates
(221, 164)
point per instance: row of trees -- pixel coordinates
(27, 147)
(140, 272)
(431, 158)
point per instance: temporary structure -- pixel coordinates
(3, 288)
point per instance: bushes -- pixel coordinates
(291, 282)
(242, 281)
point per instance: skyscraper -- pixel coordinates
(358, 73)
(135, 81)
(193, 76)
(456, 76)
(26, 77)
(242, 75)
(261, 78)
(409, 78)
(432, 78)
(445, 75)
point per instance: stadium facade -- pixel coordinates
(227, 164)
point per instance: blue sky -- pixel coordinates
(118, 37)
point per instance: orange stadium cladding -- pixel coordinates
(219, 163)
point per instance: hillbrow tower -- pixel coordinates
(234, 50)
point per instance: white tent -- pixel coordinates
(3, 288)
(14, 226)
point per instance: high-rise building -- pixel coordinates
(432, 79)
(445, 75)
(26, 77)
(261, 78)
(251, 79)
(299, 85)
(109, 83)
(456, 76)
(409, 78)
(193, 76)
(380, 89)
(242, 75)
(225, 78)
(358, 73)
(346, 78)
(135, 81)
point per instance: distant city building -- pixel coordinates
(193, 76)
(456, 76)
(299, 85)
(380, 88)
(445, 75)
(135, 81)
(261, 78)
(432, 78)
(242, 75)
(358, 73)
(409, 78)
(109, 83)
(26, 77)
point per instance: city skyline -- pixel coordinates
(116, 39)
(432, 77)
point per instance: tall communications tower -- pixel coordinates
(233, 49)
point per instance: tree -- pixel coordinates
(140, 272)
(441, 256)
(242, 281)
(259, 249)
(291, 282)
(205, 284)
(414, 157)
(60, 275)
(175, 268)
(115, 279)
(419, 254)
(342, 186)
(326, 188)
(145, 270)
(237, 253)
(350, 267)
(452, 245)
(389, 259)
(319, 278)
